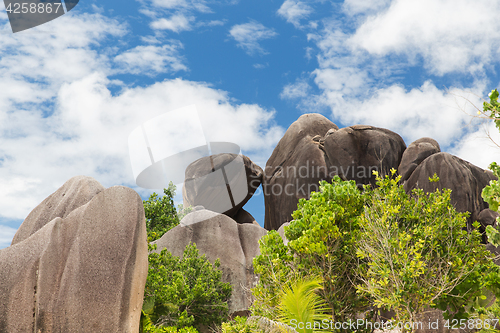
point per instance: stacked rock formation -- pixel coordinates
(222, 183)
(314, 149)
(78, 263)
(466, 181)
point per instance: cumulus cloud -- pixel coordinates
(412, 113)
(176, 23)
(481, 147)
(299, 89)
(59, 117)
(359, 71)
(248, 35)
(451, 36)
(294, 11)
(151, 60)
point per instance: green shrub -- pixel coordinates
(185, 292)
(322, 242)
(148, 327)
(418, 254)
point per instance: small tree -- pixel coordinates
(418, 253)
(179, 293)
(322, 242)
(185, 292)
(160, 212)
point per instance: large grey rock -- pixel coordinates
(295, 168)
(356, 151)
(219, 236)
(465, 180)
(415, 154)
(84, 272)
(74, 193)
(314, 149)
(222, 183)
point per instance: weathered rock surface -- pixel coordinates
(416, 152)
(465, 180)
(314, 149)
(295, 168)
(84, 272)
(356, 151)
(219, 236)
(206, 179)
(74, 193)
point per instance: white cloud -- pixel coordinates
(358, 73)
(59, 118)
(248, 35)
(176, 23)
(213, 23)
(419, 112)
(353, 7)
(294, 11)
(199, 5)
(480, 147)
(261, 66)
(299, 89)
(151, 60)
(88, 135)
(450, 35)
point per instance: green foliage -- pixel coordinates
(488, 318)
(418, 253)
(185, 292)
(274, 266)
(161, 215)
(240, 325)
(148, 327)
(322, 242)
(491, 194)
(493, 107)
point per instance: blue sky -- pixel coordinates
(74, 88)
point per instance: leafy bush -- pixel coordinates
(322, 242)
(148, 327)
(418, 254)
(185, 292)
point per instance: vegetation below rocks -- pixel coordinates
(352, 252)
(180, 294)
